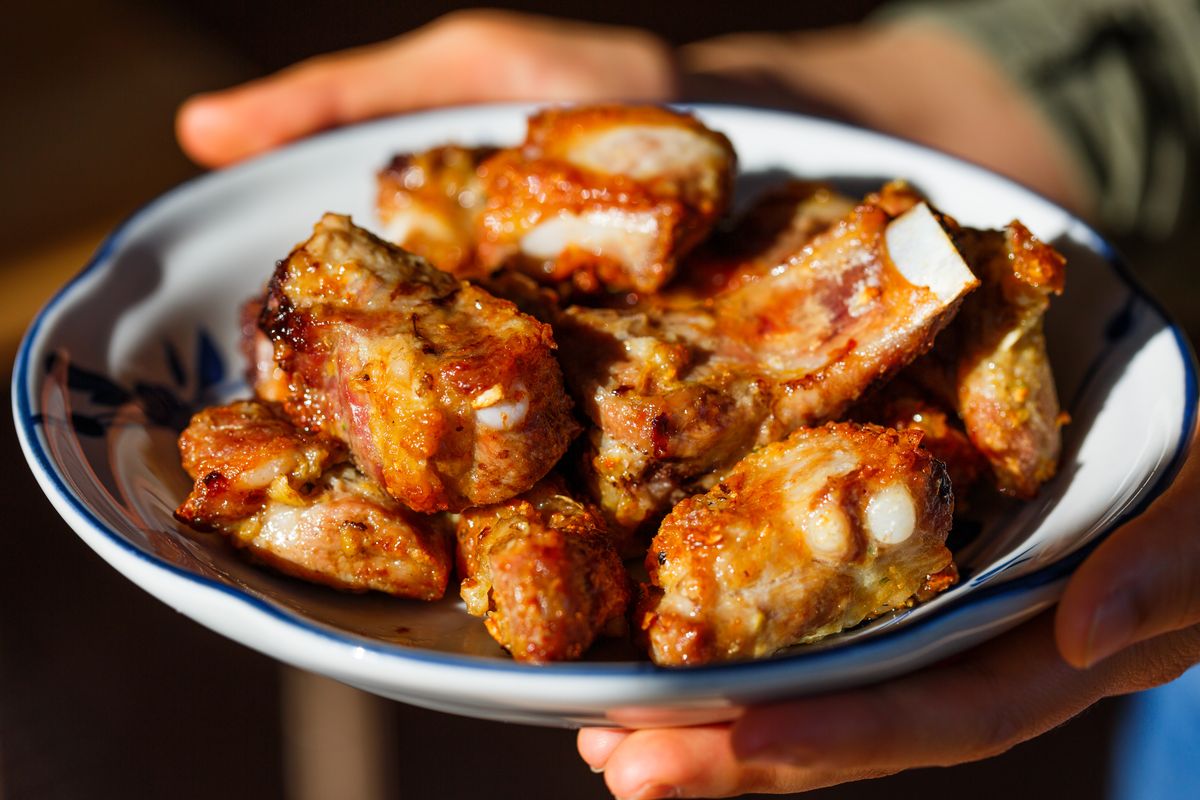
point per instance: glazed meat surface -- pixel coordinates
(1004, 385)
(541, 570)
(991, 367)
(905, 405)
(348, 534)
(236, 454)
(607, 197)
(679, 393)
(445, 395)
(804, 538)
(270, 488)
(430, 202)
(775, 228)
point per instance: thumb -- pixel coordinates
(1142, 582)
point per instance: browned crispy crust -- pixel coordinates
(541, 569)
(278, 495)
(1004, 384)
(347, 534)
(895, 197)
(773, 230)
(785, 549)
(444, 394)
(234, 453)
(905, 405)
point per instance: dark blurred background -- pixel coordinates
(105, 692)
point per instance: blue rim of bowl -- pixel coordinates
(22, 389)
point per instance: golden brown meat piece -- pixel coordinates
(445, 395)
(237, 453)
(430, 202)
(606, 196)
(270, 488)
(678, 394)
(993, 366)
(347, 533)
(541, 570)
(905, 405)
(804, 538)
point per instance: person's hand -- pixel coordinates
(914, 81)
(464, 57)
(1129, 620)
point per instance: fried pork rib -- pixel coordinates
(279, 493)
(430, 204)
(1004, 385)
(680, 393)
(445, 395)
(542, 571)
(605, 196)
(774, 229)
(804, 538)
(992, 367)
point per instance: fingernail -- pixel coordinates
(1113, 627)
(203, 112)
(597, 770)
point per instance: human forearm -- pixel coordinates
(914, 80)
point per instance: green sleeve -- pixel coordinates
(1119, 79)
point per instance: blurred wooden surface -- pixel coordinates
(105, 692)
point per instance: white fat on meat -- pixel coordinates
(626, 237)
(645, 152)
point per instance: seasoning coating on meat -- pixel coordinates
(1005, 386)
(348, 534)
(904, 405)
(444, 394)
(541, 570)
(430, 202)
(606, 196)
(804, 538)
(677, 394)
(237, 453)
(270, 488)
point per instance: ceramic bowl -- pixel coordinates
(147, 333)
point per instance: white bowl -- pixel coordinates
(147, 332)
